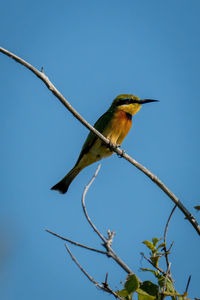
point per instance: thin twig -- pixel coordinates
(165, 235)
(82, 269)
(147, 259)
(110, 237)
(106, 242)
(167, 224)
(172, 244)
(97, 284)
(75, 243)
(187, 286)
(84, 208)
(105, 283)
(120, 152)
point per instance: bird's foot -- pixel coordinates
(115, 147)
(110, 146)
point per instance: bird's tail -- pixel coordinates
(63, 185)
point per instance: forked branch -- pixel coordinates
(164, 238)
(104, 286)
(76, 243)
(107, 242)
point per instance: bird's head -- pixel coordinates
(129, 103)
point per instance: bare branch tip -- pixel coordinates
(187, 286)
(110, 237)
(105, 283)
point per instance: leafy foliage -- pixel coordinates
(155, 255)
(148, 290)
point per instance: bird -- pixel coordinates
(114, 124)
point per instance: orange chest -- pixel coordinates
(121, 122)
(119, 127)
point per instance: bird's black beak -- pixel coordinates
(147, 101)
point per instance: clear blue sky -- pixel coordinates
(93, 51)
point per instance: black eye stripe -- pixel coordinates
(125, 101)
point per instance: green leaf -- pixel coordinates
(160, 246)
(144, 296)
(169, 284)
(150, 288)
(131, 284)
(155, 241)
(149, 245)
(155, 260)
(123, 293)
(182, 297)
(150, 270)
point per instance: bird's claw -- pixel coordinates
(112, 146)
(115, 147)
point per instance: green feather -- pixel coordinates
(100, 125)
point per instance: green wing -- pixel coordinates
(100, 125)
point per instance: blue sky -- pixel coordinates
(93, 51)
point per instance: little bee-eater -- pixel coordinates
(114, 124)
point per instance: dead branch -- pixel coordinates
(106, 241)
(76, 243)
(84, 208)
(149, 261)
(187, 285)
(105, 287)
(164, 238)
